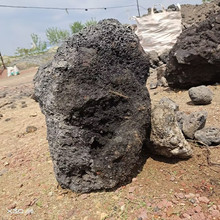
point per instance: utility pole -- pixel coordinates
(138, 8)
(2, 61)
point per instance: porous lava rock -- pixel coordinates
(208, 136)
(193, 14)
(194, 59)
(97, 107)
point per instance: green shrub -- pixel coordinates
(56, 36)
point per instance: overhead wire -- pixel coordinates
(64, 9)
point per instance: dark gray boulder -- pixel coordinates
(97, 107)
(200, 95)
(208, 136)
(181, 117)
(193, 122)
(194, 59)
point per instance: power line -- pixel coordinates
(64, 9)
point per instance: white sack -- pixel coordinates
(159, 31)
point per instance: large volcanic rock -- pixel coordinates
(96, 106)
(195, 58)
(192, 14)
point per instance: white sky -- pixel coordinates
(16, 25)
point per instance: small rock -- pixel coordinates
(50, 193)
(29, 211)
(172, 178)
(3, 172)
(13, 106)
(134, 180)
(208, 136)
(1, 115)
(142, 214)
(6, 164)
(193, 201)
(180, 195)
(7, 119)
(154, 59)
(190, 195)
(164, 57)
(163, 81)
(122, 207)
(215, 214)
(12, 206)
(187, 216)
(70, 214)
(153, 85)
(9, 154)
(24, 106)
(200, 95)
(203, 199)
(156, 209)
(31, 129)
(84, 196)
(195, 121)
(170, 103)
(198, 209)
(131, 189)
(2, 95)
(164, 204)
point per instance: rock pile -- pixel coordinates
(97, 107)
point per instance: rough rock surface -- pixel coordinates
(97, 107)
(193, 122)
(200, 95)
(170, 103)
(209, 135)
(194, 59)
(166, 136)
(181, 117)
(157, 77)
(192, 14)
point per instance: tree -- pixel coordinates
(206, 1)
(91, 22)
(38, 45)
(55, 36)
(76, 27)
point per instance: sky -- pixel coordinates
(17, 25)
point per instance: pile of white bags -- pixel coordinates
(13, 71)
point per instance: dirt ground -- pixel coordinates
(164, 188)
